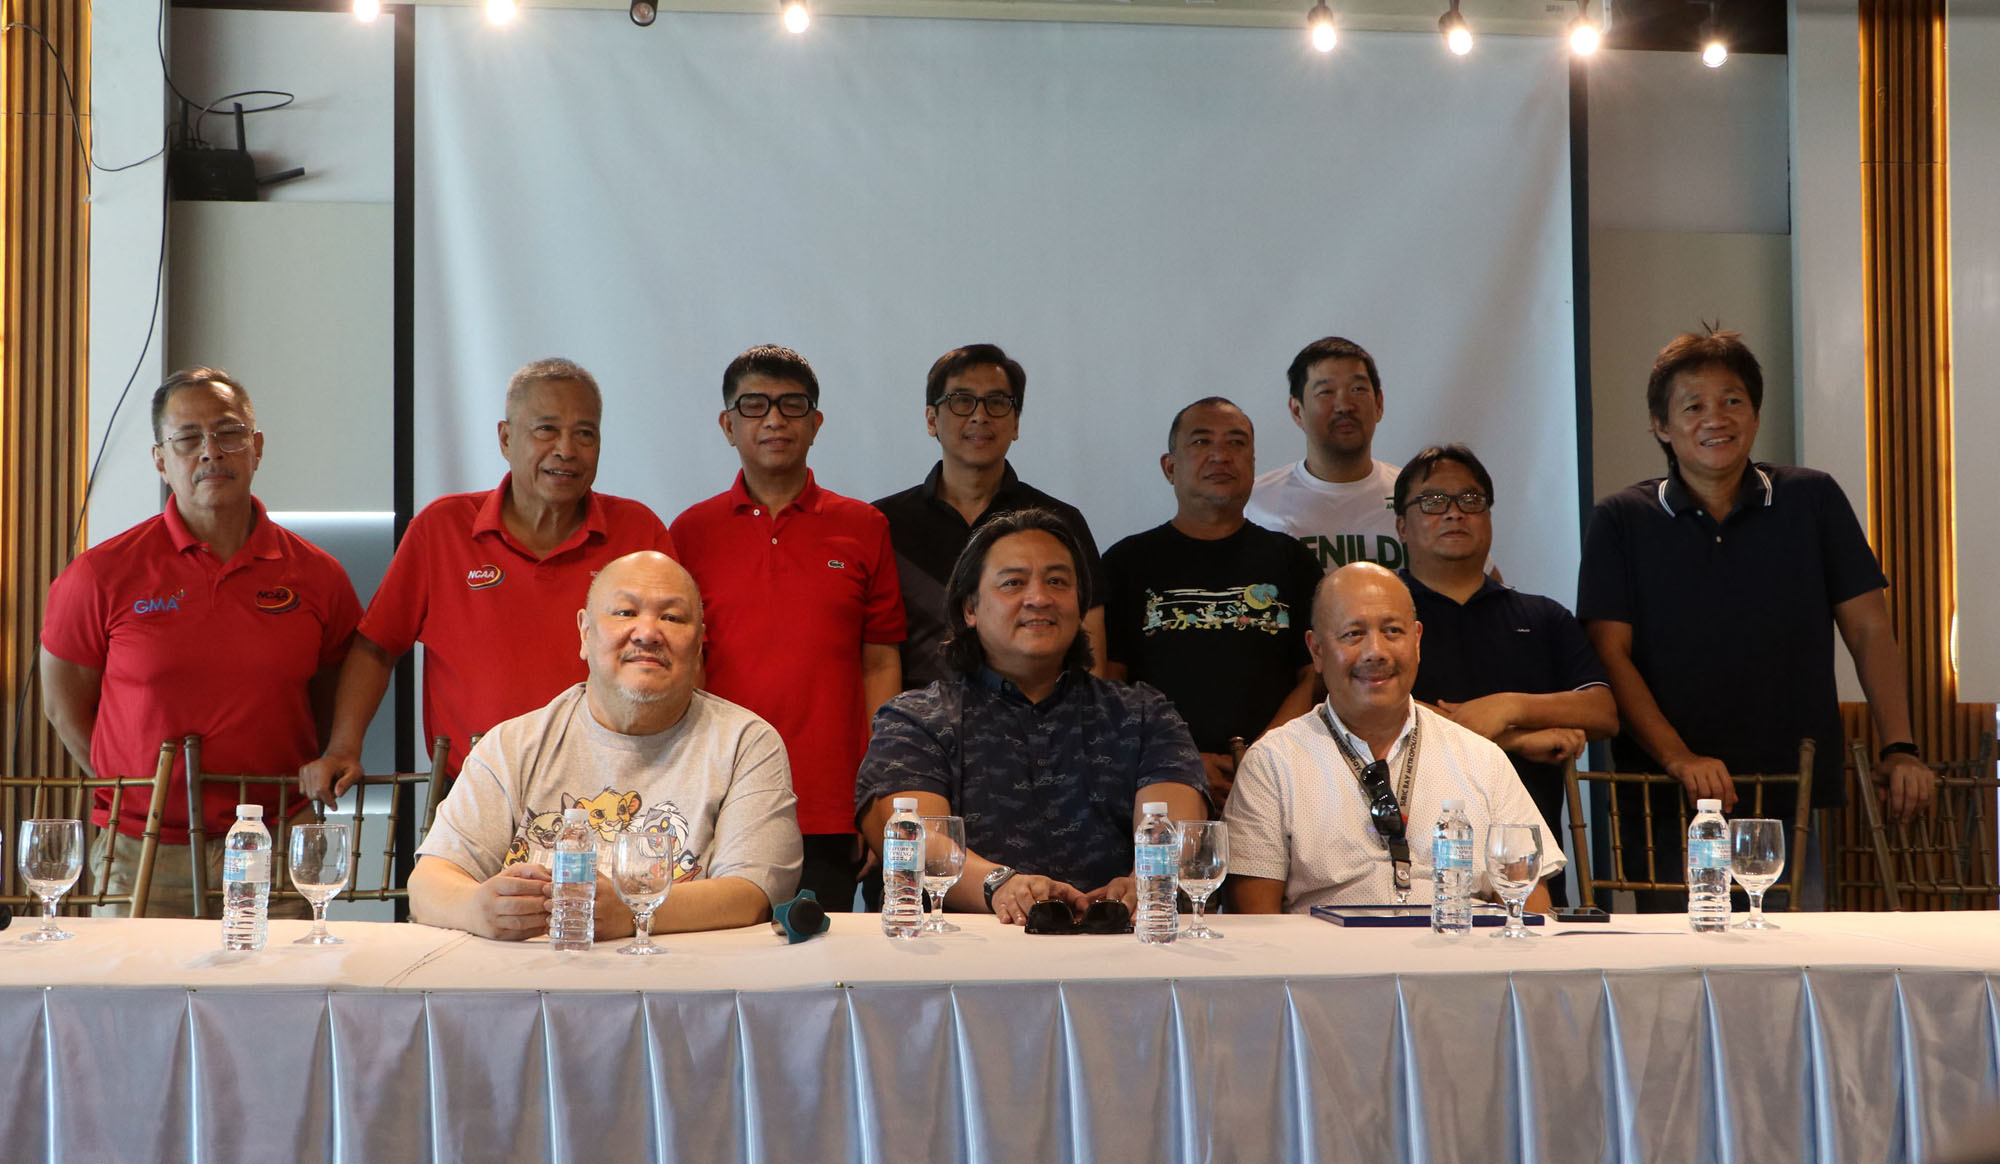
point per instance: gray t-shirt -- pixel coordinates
(718, 778)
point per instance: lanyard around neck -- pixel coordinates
(1399, 850)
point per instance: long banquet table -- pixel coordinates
(1863, 1037)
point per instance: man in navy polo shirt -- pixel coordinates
(1513, 667)
(1711, 595)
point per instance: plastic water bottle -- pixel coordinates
(1451, 871)
(1156, 867)
(573, 923)
(246, 880)
(902, 870)
(1708, 869)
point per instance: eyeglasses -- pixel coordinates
(965, 404)
(1382, 807)
(1469, 502)
(227, 440)
(756, 404)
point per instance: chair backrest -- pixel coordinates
(291, 804)
(74, 797)
(1949, 851)
(1657, 879)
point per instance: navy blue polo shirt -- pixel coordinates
(1732, 621)
(1502, 640)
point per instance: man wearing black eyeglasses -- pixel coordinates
(972, 405)
(1516, 668)
(1336, 807)
(804, 615)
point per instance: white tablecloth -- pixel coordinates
(1842, 1037)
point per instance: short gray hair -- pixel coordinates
(547, 371)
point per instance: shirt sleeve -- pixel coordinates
(1260, 844)
(1603, 589)
(905, 754)
(475, 824)
(75, 628)
(1305, 577)
(1507, 799)
(343, 615)
(756, 833)
(1850, 564)
(397, 612)
(1575, 661)
(1167, 754)
(882, 617)
(1092, 563)
(1119, 615)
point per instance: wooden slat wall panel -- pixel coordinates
(44, 261)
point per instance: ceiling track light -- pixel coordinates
(1585, 35)
(644, 13)
(1457, 35)
(500, 11)
(797, 16)
(367, 10)
(1713, 50)
(1319, 23)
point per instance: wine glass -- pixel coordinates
(1513, 865)
(1756, 858)
(51, 857)
(642, 870)
(944, 862)
(1204, 863)
(319, 859)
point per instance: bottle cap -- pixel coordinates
(904, 804)
(578, 815)
(249, 812)
(1708, 806)
(1454, 806)
(1154, 806)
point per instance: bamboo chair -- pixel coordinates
(1948, 852)
(74, 797)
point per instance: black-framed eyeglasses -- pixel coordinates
(965, 404)
(756, 404)
(1469, 502)
(1382, 806)
(227, 440)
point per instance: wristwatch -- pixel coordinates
(994, 881)
(1900, 748)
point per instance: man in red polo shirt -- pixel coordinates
(804, 613)
(209, 618)
(490, 582)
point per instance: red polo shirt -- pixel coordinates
(497, 623)
(789, 599)
(190, 643)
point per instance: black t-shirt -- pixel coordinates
(1501, 640)
(1219, 626)
(929, 534)
(1732, 622)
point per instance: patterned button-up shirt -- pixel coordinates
(1045, 787)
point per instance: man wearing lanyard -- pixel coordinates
(1333, 808)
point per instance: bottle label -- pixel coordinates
(1448, 853)
(1708, 854)
(1155, 860)
(899, 856)
(242, 865)
(573, 868)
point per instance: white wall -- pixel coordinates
(1975, 264)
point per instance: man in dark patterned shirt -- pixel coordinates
(1047, 763)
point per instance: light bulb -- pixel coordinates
(367, 10)
(1584, 37)
(1320, 21)
(1714, 53)
(797, 17)
(1459, 40)
(500, 11)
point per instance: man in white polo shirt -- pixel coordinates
(1309, 821)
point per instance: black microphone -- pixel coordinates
(800, 918)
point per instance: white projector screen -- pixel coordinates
(1142, 215)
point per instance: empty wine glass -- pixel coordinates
(1756, 858)
(944, 862)
(51, 857)
(642, 870)
(1204, 863)
(1513, 865)
(319, 859)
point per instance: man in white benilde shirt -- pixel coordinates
(1338, 500)
(1301, 832)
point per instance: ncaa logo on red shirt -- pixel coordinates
(277, 599)
(484, 577)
